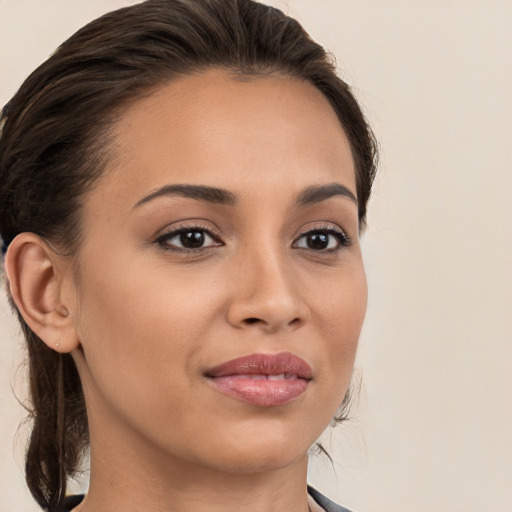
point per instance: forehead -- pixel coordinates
(221, 130)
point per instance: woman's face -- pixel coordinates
(224, 228)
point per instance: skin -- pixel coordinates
(144, 318)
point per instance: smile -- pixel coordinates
(262, 379)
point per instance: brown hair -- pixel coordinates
(55, 143)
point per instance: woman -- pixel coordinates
(183, 185)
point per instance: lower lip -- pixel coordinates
(264, 393)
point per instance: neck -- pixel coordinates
(129, 474)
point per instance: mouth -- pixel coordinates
(264, 380)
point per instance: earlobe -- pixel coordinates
(35, 284)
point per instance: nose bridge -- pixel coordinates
(271, 277)
(266, 292)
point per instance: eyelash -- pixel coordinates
(343, 239)
(162, 240)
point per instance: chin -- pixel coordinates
(253, 463)
(268, 450)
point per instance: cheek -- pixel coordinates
(131, 301)
(340, 304)
(344, 311)
(340, 318)
(140, 329)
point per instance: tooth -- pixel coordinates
(281, 376)
(258, 377)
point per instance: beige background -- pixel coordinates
(433, 430)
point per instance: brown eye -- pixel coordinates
(192, 239)
(184, 239)
(317, 241)
(322, 240)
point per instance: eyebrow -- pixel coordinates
(320, 193)
(310, 195)
(199, 192)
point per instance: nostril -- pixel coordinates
(254, 320)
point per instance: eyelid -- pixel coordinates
(183, 227)
(180, 227)
(345, 241)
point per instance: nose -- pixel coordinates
(266, 295)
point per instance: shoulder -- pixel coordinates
(324, 502)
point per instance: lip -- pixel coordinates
(264, 380)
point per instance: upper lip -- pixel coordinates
(266, 364)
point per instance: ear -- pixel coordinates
(35, 276)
